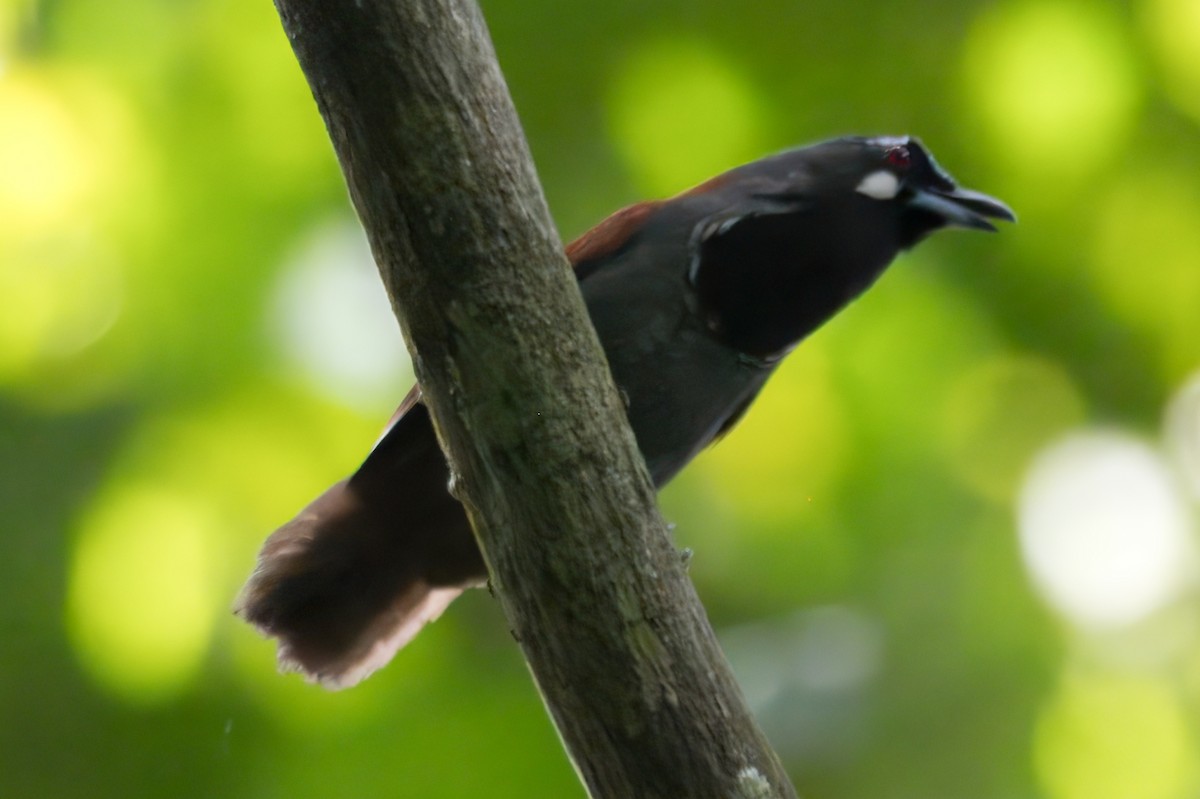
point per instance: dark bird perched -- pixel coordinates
(696, 299)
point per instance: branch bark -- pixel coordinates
(543, 459)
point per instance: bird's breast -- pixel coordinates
(680, 382)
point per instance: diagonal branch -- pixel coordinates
(543, 458)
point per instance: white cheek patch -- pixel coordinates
(879, 185)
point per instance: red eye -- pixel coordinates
(898, 157)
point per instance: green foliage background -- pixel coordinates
(179, 268)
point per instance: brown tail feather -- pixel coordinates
(359, 571)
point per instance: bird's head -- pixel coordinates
(784, 242)
(898, 176)
(775, 247)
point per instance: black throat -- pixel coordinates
(769, 281)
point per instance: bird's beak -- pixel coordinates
(961, 207)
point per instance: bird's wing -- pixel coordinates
(410, 399)
(598, 245)
(711, 236)
(587, 254)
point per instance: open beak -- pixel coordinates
(962, 207)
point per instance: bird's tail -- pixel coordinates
(356, 574)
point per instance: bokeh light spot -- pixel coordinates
(1055, 86)
(1000, 413)
(258, 455)
(679, 113)
(332, 318)
(141, 603)
(807, 675)
(70, 156)
(167, 542)
(45, 158)
(1105, 532)
(1152, 218)
(60, 295)
(1113, 738)
(1173, 27)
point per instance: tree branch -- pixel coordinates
(543, 458)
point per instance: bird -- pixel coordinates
(696, 299)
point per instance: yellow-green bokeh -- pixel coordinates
(141, 601)
(44, 153)
(1191, 675)
(1055, 86)
(161, 163)
(61, 294)
(1173, 28)
(271, 109)
(680, 111)
(13, 15)
(66, 136)
(161, 551)
(1114, 737)
(1145, 262)
(71, 160)
(900, 347)
(800, 407)
(1000, 413)
(258, 450)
